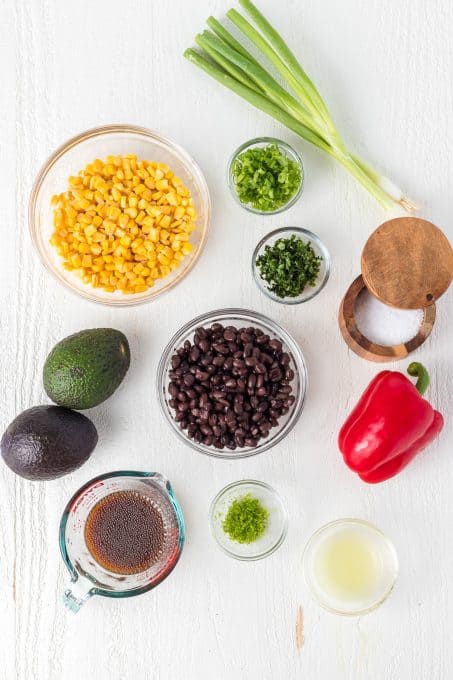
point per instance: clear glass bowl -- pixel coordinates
(285, 149)
(100, 142)
(237, 317)
(385, 560)
(318, 246)
(277, 523)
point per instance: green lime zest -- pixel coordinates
(246, 519)
(265, 178)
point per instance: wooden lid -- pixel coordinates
(407, 263)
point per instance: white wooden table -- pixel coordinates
(385, 68)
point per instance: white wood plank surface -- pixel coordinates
(385, 67)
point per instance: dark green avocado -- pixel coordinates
(46, 442)
(86, 368)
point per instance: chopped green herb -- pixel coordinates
(288, 266)
(246, 519)
(265, 178)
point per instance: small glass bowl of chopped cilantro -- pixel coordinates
(291, 265)
(248, 520)
(266, 175)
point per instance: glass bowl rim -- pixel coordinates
(292, 153)
(81, 490)
(273, 326)
(311, 236)
(284, 527)
(358, 522)
(95, 132)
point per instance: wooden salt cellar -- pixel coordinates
(406, 263)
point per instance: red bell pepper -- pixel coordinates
(390, 424)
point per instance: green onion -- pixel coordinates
(303, 111)
(265, 178)
(288, 266)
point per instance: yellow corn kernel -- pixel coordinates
(179, 212)
(132, 212)
(163, 259)
(140, 217)
(123, 220)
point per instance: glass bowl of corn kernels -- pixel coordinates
(119, 214)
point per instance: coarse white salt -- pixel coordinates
(385, 325)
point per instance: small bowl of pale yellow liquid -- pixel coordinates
(350, 566)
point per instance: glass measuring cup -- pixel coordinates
(89, 578)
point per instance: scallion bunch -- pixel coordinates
(299, 107)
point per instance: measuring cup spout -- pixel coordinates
(79, 591)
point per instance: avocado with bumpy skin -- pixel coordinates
(86, 368)
(46, 442)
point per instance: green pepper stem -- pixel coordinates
(418, 371)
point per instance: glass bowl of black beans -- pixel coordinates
(232, 383)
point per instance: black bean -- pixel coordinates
(289, 375)
(284, 359)
(204, 345)
(173, 389)
(261, 391)
(248, 349)
(241, 384)
(251, 361)
(229, 334)
(260, 369)
(188, 380)
(262, 339)
(221, 348)
(175, 361)
(194, 354)
(228, 365)
(275, 345)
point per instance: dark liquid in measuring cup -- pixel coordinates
(125, 533)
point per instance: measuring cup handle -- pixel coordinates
(79, 591)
